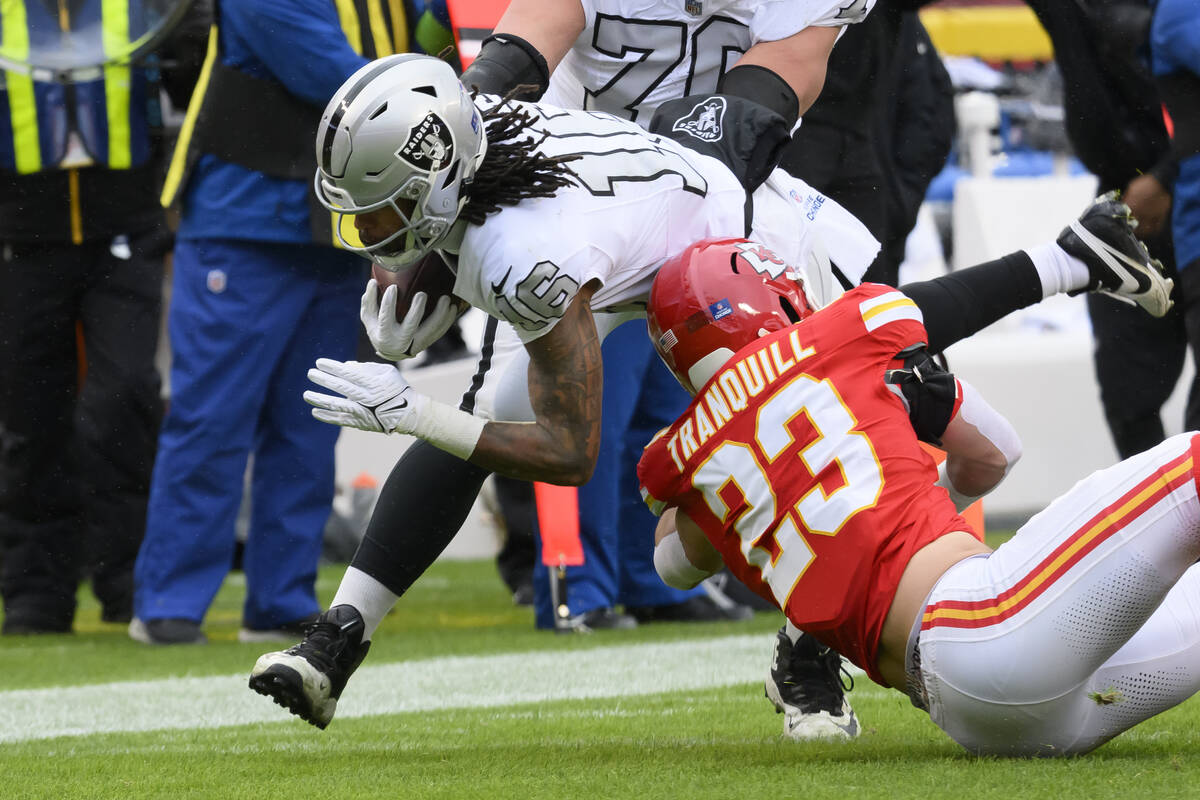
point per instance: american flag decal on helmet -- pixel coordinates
(668, 340)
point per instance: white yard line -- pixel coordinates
(458, 682)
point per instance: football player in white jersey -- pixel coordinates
(561, 243)
(628, 58)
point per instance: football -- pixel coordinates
(429, 275)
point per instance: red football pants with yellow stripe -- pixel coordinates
(1084, 624)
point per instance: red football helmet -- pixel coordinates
(720, 295)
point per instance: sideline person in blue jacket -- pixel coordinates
(260, 292)
(1175, 58)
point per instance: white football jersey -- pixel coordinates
(634, 55)
(638, 200)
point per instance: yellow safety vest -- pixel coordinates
(100, 114)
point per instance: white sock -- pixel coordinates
(793, 632)
(367, 596)
(1059, 270)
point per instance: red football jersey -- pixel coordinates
(802, 468)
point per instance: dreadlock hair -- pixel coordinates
(512, 170)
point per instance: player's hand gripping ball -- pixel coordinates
(404, 312)
(429, 275)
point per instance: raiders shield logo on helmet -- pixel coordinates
(429, 145)
(704, 120)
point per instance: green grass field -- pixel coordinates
(468, 662)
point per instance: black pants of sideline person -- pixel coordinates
(1138, 360)
(844, 165)
(75, 455)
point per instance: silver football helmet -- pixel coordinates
(403, 133)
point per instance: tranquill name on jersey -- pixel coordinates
(729, 391)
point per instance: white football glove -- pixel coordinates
(377, 398)
(397, 341)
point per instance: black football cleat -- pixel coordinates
(606, 618)
(700, 608)
(805, 685)
(166, 631)
(1118, 262)
(308, 679)
(288, 632)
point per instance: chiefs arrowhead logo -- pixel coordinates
(704, 120)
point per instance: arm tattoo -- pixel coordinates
(565, 389)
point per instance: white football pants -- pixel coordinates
(1084, 624)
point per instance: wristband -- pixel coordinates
(448, 428)
(673, 566)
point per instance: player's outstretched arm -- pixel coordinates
(565, 388)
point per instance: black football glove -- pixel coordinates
(930, 391)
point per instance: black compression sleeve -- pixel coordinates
(743, 135)
(764, 87)
(965, 302)
(422, 505)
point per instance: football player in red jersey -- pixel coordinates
(798, 466)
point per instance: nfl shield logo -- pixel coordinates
(216, 280)
(719, 309)
(694, 7)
